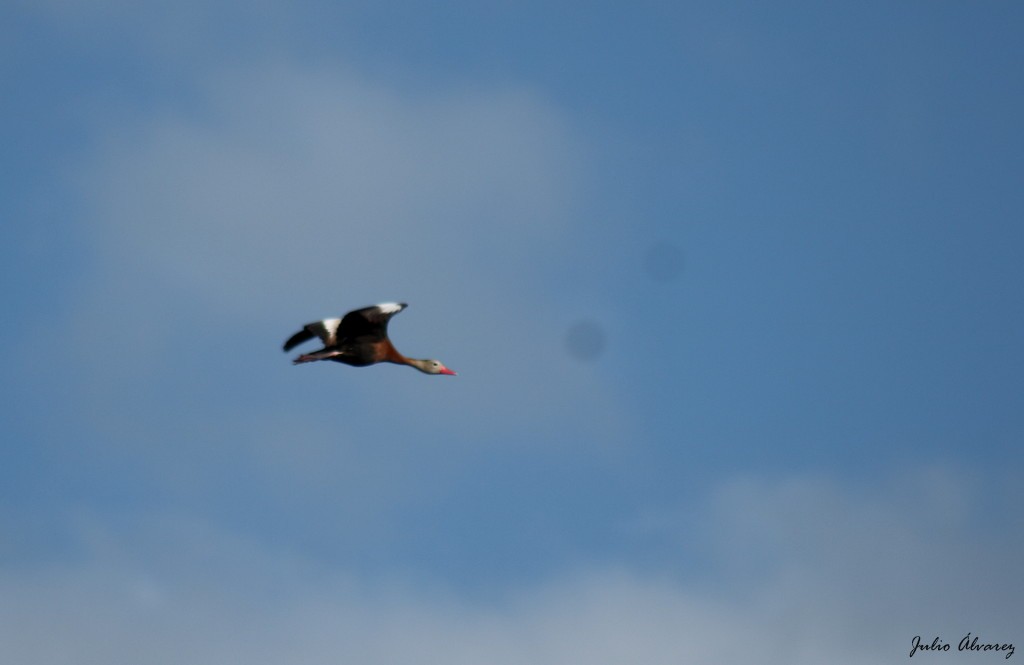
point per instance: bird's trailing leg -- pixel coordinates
(322, 354)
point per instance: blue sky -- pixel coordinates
(789, 234)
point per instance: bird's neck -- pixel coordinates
(392, 355)
(421, 365)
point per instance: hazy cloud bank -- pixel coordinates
(845, 573)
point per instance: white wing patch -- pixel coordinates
(331, 326)
(390, 307)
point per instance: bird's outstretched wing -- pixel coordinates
(326, 330)
(369, 324)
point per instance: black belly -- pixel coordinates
(356, 355)
(355, 362)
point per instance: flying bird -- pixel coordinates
(359, 339)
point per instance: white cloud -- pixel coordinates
(295, 194)
(293, 185)
(286, 194)
(851, 575)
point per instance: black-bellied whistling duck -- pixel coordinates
(359, 339)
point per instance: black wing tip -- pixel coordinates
(296, 339)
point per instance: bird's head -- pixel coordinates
(432, 367)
